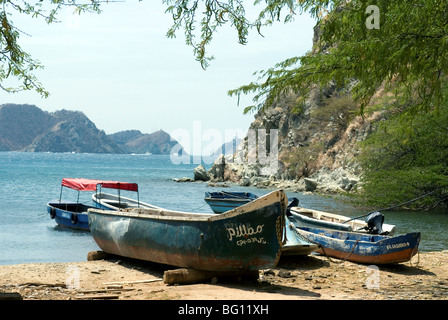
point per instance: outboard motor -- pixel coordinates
(294, 203)
(375, 223)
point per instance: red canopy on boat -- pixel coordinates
(90, 184)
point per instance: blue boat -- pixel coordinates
(295, 244)
(363, 248)
(74, 214)
(249, 237)
(224, 201)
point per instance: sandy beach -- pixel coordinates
(294, 278)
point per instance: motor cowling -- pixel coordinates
(375, 223)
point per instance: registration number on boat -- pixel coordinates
(397, 245)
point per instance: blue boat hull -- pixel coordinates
(221, 202)
(69, 215)
(247, 238)
(363, 248)
(295, 244)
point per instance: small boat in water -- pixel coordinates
(314, 218)
(363, 248)
(223, 201)
(109, 201)
(74, 214)
(246, 238)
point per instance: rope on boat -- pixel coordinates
(194, 209)
(393, 207)
(323, 248)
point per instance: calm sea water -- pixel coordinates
(30, 180)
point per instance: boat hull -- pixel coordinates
(361, 248)
(247, 238)
(69, 215)
(295, 244)
(109, 201)
(221, 202)
(318, 219)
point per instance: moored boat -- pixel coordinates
(314, 218)
(246, 238)
(363, 248)
(74, 214)
(223, 201)
(109, 201)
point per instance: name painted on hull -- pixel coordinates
(243, 231)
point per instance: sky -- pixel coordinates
(123, 73)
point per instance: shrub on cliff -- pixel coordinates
(406, 158)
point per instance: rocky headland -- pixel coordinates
(317, 147)
(313, 143)
(27, 128)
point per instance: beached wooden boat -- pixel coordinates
(314, 218)
(246, 238)
(295, 244)
(223, 201)
(363, 248)
(109, 201)
(74, 214)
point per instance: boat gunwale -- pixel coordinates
(382, 241)
(173, 215)
(99, 200)
(355, 223)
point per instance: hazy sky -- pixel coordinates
(121, 70)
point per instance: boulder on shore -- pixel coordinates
(200, 174)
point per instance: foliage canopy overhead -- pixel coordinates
(406, 42)
(14, 61)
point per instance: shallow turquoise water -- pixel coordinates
(30, 180)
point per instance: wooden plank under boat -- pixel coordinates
(314, 218)
(246, 238)
(222, 201)
(363, 248)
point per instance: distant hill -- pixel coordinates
(21, 124)
(27, 128)
(229, 147)
(134, 141)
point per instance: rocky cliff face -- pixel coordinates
(317, 144)
(317, 147)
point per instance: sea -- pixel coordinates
(30, 180)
